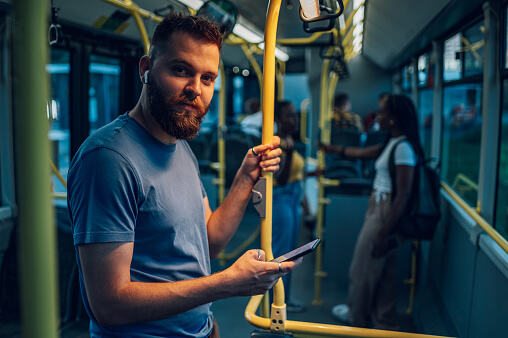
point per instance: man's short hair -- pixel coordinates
(196, 26)
(341, 99)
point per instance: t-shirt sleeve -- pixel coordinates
(405, 155)
(102, 197)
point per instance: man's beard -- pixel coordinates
(182, 124)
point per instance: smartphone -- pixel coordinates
(298, 252)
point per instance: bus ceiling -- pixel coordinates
(384, 39)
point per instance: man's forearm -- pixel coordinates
(225, 219)
(141, 302)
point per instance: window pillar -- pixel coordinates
(490, 113)
(437, 117)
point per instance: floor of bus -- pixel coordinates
(230, 312)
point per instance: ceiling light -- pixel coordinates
(194, 4)
(359, 15)
(357, 3)
(236, 69)
(279, 53)
(247, 34)
(358, 31)
(245, 72)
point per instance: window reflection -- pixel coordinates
(452, 58)
(407, 79)
(461, 139)
(423, 69)
(502, 192)
(104, 91)
(425, 105)
(58, 114)
(473, 42)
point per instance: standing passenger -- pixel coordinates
(372, 275)
(143, 229)
(287, 193)
(342, 115)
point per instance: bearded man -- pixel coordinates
(143, 229)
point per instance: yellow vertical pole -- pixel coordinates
(140, 24)
(303, 120)
(221, 126)
(324, 113)
(36, 237)
(272, 18)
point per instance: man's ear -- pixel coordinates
(144, 68)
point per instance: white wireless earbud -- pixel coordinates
(145, 76)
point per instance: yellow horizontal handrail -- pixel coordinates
(60, 195)
(57, 173)
(322, 329)
(482, 223)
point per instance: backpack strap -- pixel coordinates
(391, 167)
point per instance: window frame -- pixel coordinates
(461, 30)
(503, 67)
(7, 188)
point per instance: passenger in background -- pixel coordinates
(250, 106)
(369, 122)
(252, 122)
(372, 275)
(342, 116)
(287, 193)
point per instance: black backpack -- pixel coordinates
(422, 211)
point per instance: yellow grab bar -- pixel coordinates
(325, 137)
(323, 329)
(57, 173)
(482, 223)
(303, 120)
(137, 13)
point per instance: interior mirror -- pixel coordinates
(319, 10)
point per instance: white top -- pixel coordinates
(252, 124)
(404, 155)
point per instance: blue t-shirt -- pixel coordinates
(126, 186)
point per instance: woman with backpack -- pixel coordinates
(372, 275)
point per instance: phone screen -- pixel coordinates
(298, 252)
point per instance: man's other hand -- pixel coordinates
(266, 160)
(251, 275)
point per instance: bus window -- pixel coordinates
(425, 105)
(462, 136)
(472, 44)
(407, 79)
(452, 58)
(58, 114)
(425, 100)
(104, 91)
